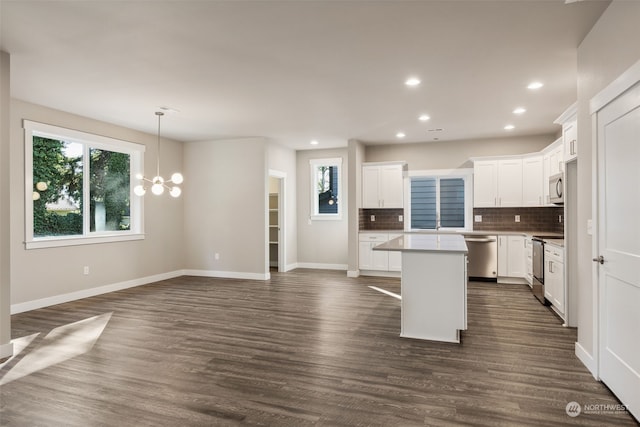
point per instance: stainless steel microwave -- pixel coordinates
(556, 189)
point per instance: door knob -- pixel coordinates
(600, 259)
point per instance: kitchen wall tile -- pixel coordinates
(386, 219)
(531, 219)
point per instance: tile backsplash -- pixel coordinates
(531, 219)
(385, 219)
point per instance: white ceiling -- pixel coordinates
(294, 71)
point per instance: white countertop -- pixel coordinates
(425, 243)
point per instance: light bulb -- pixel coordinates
(158, 180)
(175, 192)
(157, 189)
(139, 176)
(36, 196)
(139, 190)
(42, 186)
(177, 178)
(331, 201)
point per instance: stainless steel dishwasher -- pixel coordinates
(483, 257)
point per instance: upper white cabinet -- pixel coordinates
(497, 183)
(382, 185)
(532, 182)
(485, 183)
(569, 123)
(515, 181)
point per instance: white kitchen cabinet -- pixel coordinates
(511, 257)
(556, 160)
(532, 183)
(382, 186)
(528, 260)
(569, 123)
(497, 183)
(510, 183)
(368, 259)
(485, 183)
(554, 289)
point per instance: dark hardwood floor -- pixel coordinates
(307, 347)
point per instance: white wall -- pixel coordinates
(323, 243)
(608, 50)
(45, 273)
(283, 159)
(455, 154)
(225, 208)
(5, 226)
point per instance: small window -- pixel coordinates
(326, 181)
(439, 201)
(78, 187)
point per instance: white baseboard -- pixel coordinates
(86, 293)
(587, 360)
(6, 350)
(353, 273)
(227, 274)
(320, 266)
(380, 273)
(289, 267)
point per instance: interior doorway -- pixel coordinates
(276, 224)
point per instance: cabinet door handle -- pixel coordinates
(495, 201)
(550, 266)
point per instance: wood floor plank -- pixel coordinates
(307, 347)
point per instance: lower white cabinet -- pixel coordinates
(368, 259)
(511, 257)
(554, 276)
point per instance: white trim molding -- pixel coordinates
(321, 266)
(6, 350)
(227, 274)
(587, 360)
(615, 88)
(86, 293)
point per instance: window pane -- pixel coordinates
(423, 203)
(57, 192)
(109, 190)
(327, 187)
(452, 202)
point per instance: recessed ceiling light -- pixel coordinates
(400, 135)
(519, 110)
(412, 81)
(314, 142)
(509, 127)
(424, 118)
(535, 85)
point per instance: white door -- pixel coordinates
(532, 170)
(391, 187)
(619, 246)
(485, 183)
(370, 187)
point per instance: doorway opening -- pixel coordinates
(276, 225)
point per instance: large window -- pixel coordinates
(78, 187)
(326, 181)
(439, 200)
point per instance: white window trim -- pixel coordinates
(136, 152)
(465, 173)
(313, 163)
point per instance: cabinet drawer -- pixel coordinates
(554, 254)
(373, 237)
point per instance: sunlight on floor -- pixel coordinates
(62, 343)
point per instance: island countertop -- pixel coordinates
(425, 243)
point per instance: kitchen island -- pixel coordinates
(433, 285)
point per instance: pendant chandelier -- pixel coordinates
(158, 184)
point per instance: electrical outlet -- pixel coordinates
(217, 256)
(373, 218)
(86, 270)
(517, 218)
(477, 218)
(400, 218)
